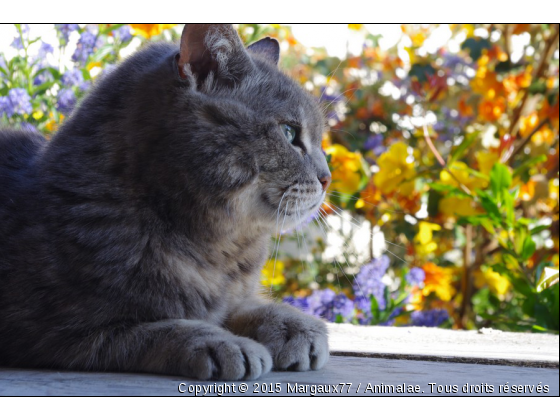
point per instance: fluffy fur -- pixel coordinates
(134, 239)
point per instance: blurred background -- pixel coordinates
(443, 146)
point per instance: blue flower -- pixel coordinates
(375, 144)
(369, 282)
(20, 102)
(430, 318)
(3, 63)
(45, 49)
(18, 40)
(300, 303)
(86, 45)
(123, 33)
(5, 106)
(72, 77)
(66, 100)
(415, 276)
(65, 29)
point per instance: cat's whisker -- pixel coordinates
(298, 221)
(317, 218)
(278, 247)
(337, 98)
(336, 261)
(334, 207)
(330, 75)
(385, 249)
(339, 195)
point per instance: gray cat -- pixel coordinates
(134, 239)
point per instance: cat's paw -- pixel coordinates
(297, 341)
(227, 357)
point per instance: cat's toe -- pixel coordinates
(305, 346)
(229, 360)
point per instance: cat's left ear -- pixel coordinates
(212, 48)
(268, 48)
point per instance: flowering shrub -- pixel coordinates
(449, 151)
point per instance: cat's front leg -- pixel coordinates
(296, 341)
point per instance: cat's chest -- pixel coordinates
(216, 280)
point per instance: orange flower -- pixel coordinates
(464, 109)
(521, 27)
(148, 30)
(438, 280)
(528, 123)
(491, 109)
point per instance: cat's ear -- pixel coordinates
(213, 48)
(268, 48)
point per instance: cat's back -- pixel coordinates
(19, 150)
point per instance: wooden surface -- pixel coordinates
(391, 356)
(340, 369)
(419, 343)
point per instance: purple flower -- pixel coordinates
(415, 276)
(369, 282)
(65, 29)
(66, 100)
(45, 49)
(123, 33)
(363, 304)
(375, 144)
(86, 45)
(18, 40)
(20, 102)
(72, 77)
(430, 318)
(3, 63)
(331, 99)
(300, 303)
(5, 106)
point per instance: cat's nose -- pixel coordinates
(325, 181)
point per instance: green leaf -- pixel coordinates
(490, 206)
(421, 71)
(538, 229)
(451, 190)
(509, 206)
(475, 46)
(462, 148)
(529, 164)
(374, 308)
(500, 179)
(529, 248)
(548, 279)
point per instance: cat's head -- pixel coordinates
(254, 134)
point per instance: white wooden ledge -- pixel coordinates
(418, 360)
(486, 346)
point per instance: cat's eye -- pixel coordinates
(289, 132)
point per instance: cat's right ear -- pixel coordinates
(209, 48)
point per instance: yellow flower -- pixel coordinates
(424, 239)
(347, 169)
(438, 280)
(148, 30)
(273, 274)
(486, 161)
(52, 124)
(497, 283)
(395, 171)
(460, 206)
(355, 26)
